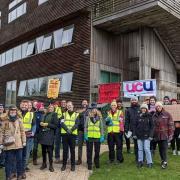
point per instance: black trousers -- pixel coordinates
(90, 152)
(135, 149)
(115, 139)
(153, 145)
(127, 142)
(163, 147)
(69, 142)
(176, 141)
(47, 150)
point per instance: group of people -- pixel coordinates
(23, 129)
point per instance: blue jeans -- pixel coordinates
(26, 151)
(16, 156)
(144, 145)
(58, 143)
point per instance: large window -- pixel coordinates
(38, 86)
(16, 9)
(55, 39)
(11, 92)
(109, 77)
(41, 1)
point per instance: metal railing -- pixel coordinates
(103, 8)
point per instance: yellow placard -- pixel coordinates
(53, 88)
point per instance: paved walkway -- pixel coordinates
(81, 172)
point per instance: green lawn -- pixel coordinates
(129, 171)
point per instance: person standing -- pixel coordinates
(39, 113)
(29, 124)
(59, 109)
(130, 118)
(12, 140)
(94, 135)
(163, 131)
(83, 113)
(46, 136)
(143, 132)
(115, 133)
(175, 143)
(69, 124)
(166, 100)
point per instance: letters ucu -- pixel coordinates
(139, 86)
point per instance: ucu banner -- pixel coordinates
(139, 88)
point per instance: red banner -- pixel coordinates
(108, 92)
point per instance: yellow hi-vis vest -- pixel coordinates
(69, 121)
(27, 121)
(94, 129)
(116, 122)
(58, 110)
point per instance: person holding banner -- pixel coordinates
(163, 131)
(130, 118)
(93, 135)
(114, 122)
(176, 138)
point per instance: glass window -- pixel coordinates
(24, 49)
(67, 35)
(66, 82)
(32, 86)
(105, 77)
(30, 48)
(11, 92)
(3, 59)
(14, 3)
(115, 77)
(9, 56)
(47, 43)
(22, 88)
(20, 10)
(58, 38)
(17, 53)
(41, 2)
(39, 43)
(43, 84)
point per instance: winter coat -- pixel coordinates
(46, 135)
(144, 126)
(8, 129)
(38, 117)
(163, 126)
(131, 117)
(82, 119)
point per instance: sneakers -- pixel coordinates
(79, 162)
(57, 161)
(174, 152)
(44, 166)
(164, 165)
(149, 165)
(140, 164)
(23, 176)
(27, 169)
(72, 168)
(63, 168)
(35, 162)
(51, 169)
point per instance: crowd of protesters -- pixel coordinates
(23, 129)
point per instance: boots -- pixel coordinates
(51, 169)
(72, 167)
(63, 168)
(79, 162)
(35, 162)
(23, 176)
(44, 166)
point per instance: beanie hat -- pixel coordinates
(144, 106)
(134, 98)
(12, 107)
(114, 103)
(159, 104)
(40, 105)
(93, 105)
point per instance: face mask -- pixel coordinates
(12, 117)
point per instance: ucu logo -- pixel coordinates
(139, 86)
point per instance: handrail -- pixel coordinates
(103, 8)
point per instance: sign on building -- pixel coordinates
(53, 88)
(109, 92)
(139, 88)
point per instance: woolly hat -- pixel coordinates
(40, 105)
(12, 107)
(134, 98)
(144, 106)
(159, 104)
(93, 105)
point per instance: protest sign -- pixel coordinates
(139, 88)
(53, 88)
(108, 92)
(174, 110)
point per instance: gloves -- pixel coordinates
(24, 144)
(85, 137)
(69, 131)
(170, 138)
(128, 134)
(134, 137)
(150, 138)
(1, 147)
(45, 124)
(102, 139)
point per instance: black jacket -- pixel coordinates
(47, 135)
(82, 119)
(144, 127)
(131, 117)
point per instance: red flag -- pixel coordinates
(108, 92)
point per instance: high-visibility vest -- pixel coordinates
(94, 129)
(27, 121)
(116, 122)
(69, 121)
(58, 110)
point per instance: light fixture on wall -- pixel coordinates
(86, 52)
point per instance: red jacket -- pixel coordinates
(163, 126)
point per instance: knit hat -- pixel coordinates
(40, 105)
(114, 103)
(144, 106)
(93, 105)
(159, 104)
(12, 107)
(134, 98)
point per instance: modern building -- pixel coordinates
(86, 43)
